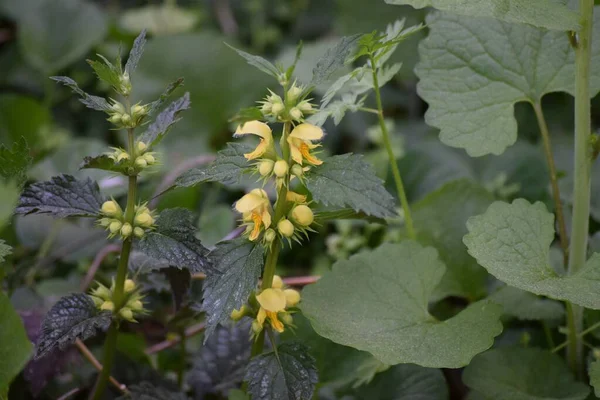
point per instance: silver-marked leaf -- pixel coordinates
(227, 168)
(258, 62)
(512, 241)
(334, 59)
(105, 163)
(174, 242)
(167, 118)
(15, 161)
(72, 317)
(157, 104)
(523, 374)
(93, 102)
(550, 14)
(136, 52)
(594, 372)
(287, 374)
(527, 306)
(147, 391)
(473, 71)
(62, 196)
(377, 300)
(348, 181)
(239, 264)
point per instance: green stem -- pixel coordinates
(388, 145)
(581, 335)
(110, 344)
(581, 174)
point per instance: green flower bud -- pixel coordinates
(115, 119)
(126, 313)
(138, 232)
(102, 292)
(297, 170)
(126, 119)
(111, 208)
(141, 146)
(129, 285)
(125, 87)
(281, 168)
(108, 306)
(270, 235)
(140, 162)
(286, 318)
(136, 305)
(294, 92)
(266, 107)
(115, 226)
(277, 109)
(265, 167)
(104, 222)
(305, 106)
(256, 327)
(286, 228)
(122, 156)
(138, 110)
(292, 297)
(126, 230)
(144, 219)
(97, 301)
(296, 114)
(303, 215)
(117, 107)
(149, 158)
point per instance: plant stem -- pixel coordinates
(580, 336)
(388, 145)
(581, 173)
(562, 226)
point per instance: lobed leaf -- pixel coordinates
(164, 121)
(258, 62)
(348, 181)
(174, 242)
(334, 59)
(73, 317)
(136, 53)
(377, 300)
(15, 161)
(62, 196)
(239, 263)
(288, 373)
(93, 102)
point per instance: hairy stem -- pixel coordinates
(560, 218)
(388, 146)
(581, 174)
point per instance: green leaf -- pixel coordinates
(377, 301)
(167, 118)
(550, 14)
(57, 33)
(523, 374)
(93, 102)
(62, 196)
(15, 347)
(328, 214)
(237, 394)
(23, 117)
(348, 181)
(288, 373)
(136, 53)
(72, 317)
(227, 168)
(334, 59)
(105, 163)
(512, 241)
(440, 219)
(258, 62)
(174, 242)
(15, 162)
(106, 71)
(473, 71)
(157, 104)
(147, 391)
(594, 372)
(527, 306)
(5, 251)
(239, 264)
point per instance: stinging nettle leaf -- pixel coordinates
(348, 181)
(473, 70)
(72, 317)
(136, 53)
(376, 301)
(289, 374)
(174, 242)
(334, 59)
(239, 263)
(258, 62)
(163, 122)
(62, 196)
(15, 347)
(106, 71)
(105, 163)
(93, 102)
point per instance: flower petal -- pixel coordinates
(295, 197)
(307, 132)
(255, 128)
(272, 300)
(250, 202)
(260, 317)
(295, 150)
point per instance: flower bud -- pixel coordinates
(294, 92)
(149, 158)
(144, 219)
(292, 297)
(136, 305)
(126, 230)
(111, 208)
(141, 146)
(297, 170)
(108, 306)
(126, 313)
(277, 282)
(138, 110)
(281, 168)
(286, 318)
(97, 301)
(102, 292)
(140, 162)
(286, 228)
(104, 222)
(129, 285)
(266, 107)
(277, 108)
(256, 327)
(126, 119)
(265, 167)
(123, 155)
(115, 227)
(295, 113)
(305, 106)
(117, 107)
(270, 235)
(138, 232)
(236, 315)
(303, 215)
(115, 119)
(125, 86)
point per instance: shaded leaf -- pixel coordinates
(93, 102)
(329, 214)
(72, 317)
(180, 281)
(5, 251)
(15, 161)
(105, 163)
(258, 62)
(159, 128)
(147, 391)
(334, 59)
(377, 300)
(239, 263)
(527, 306)
(594, 372)
(62, 196)
(15, 347)
(289, 373)
(136, 53)
(157, 104)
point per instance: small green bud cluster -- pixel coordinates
(297, 222)
(125, 85)
(103, 297)
(114, 220)
(144, 158)
(123, 119)
(294, 108)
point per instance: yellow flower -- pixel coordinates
(259, 129)
(300, 141)
(256, 207)
(295, 197)
(271, 302)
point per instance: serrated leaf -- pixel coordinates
(227, 167)
(105, 163)
(324, 215)
(147, 391)
(5, 251)
(523, 374)
(173, 242)
(72, 317)
(136, 53)
(550, 14)
(93, 102)
(376, 301)
(594, 372)
(62, 196)
(220, 364)
(527, 306)
(157, 104)
(473, 71)
(348, 181)
(512, 241)
(258, 62)
(15, 161)
(163, 122)
(15, 347)
(239, 264)
(334, 59)
(288, 374)
(106, 71)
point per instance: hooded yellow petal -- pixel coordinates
(266, 218)
(250, 202)
(275, 322)
(295, 149)
(307, 132)
(260, 317)
(255, 128)
(295, 197)
(272, 300)
(258, 151)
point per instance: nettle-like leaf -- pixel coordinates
(258, 62)
(227, 168)
(594, 372)
(72, 317)
(62, 196)
(550, 14)
(136, 53)
(104, 162)
(348, 181)
(527, 306)
(147, 391)
(512, 241)
(174, 241)
(165, 120)
(15, 347)
(93, 102)
(15, 161)
(473, 70)
(334, 59)
(523, 374)
(106, 71)
(157, 104)
(220, 364)
(5, 251)
(239, 263)
(377, 301)
(288, 373)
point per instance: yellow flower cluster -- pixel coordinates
(103, 298)
(114, 220)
